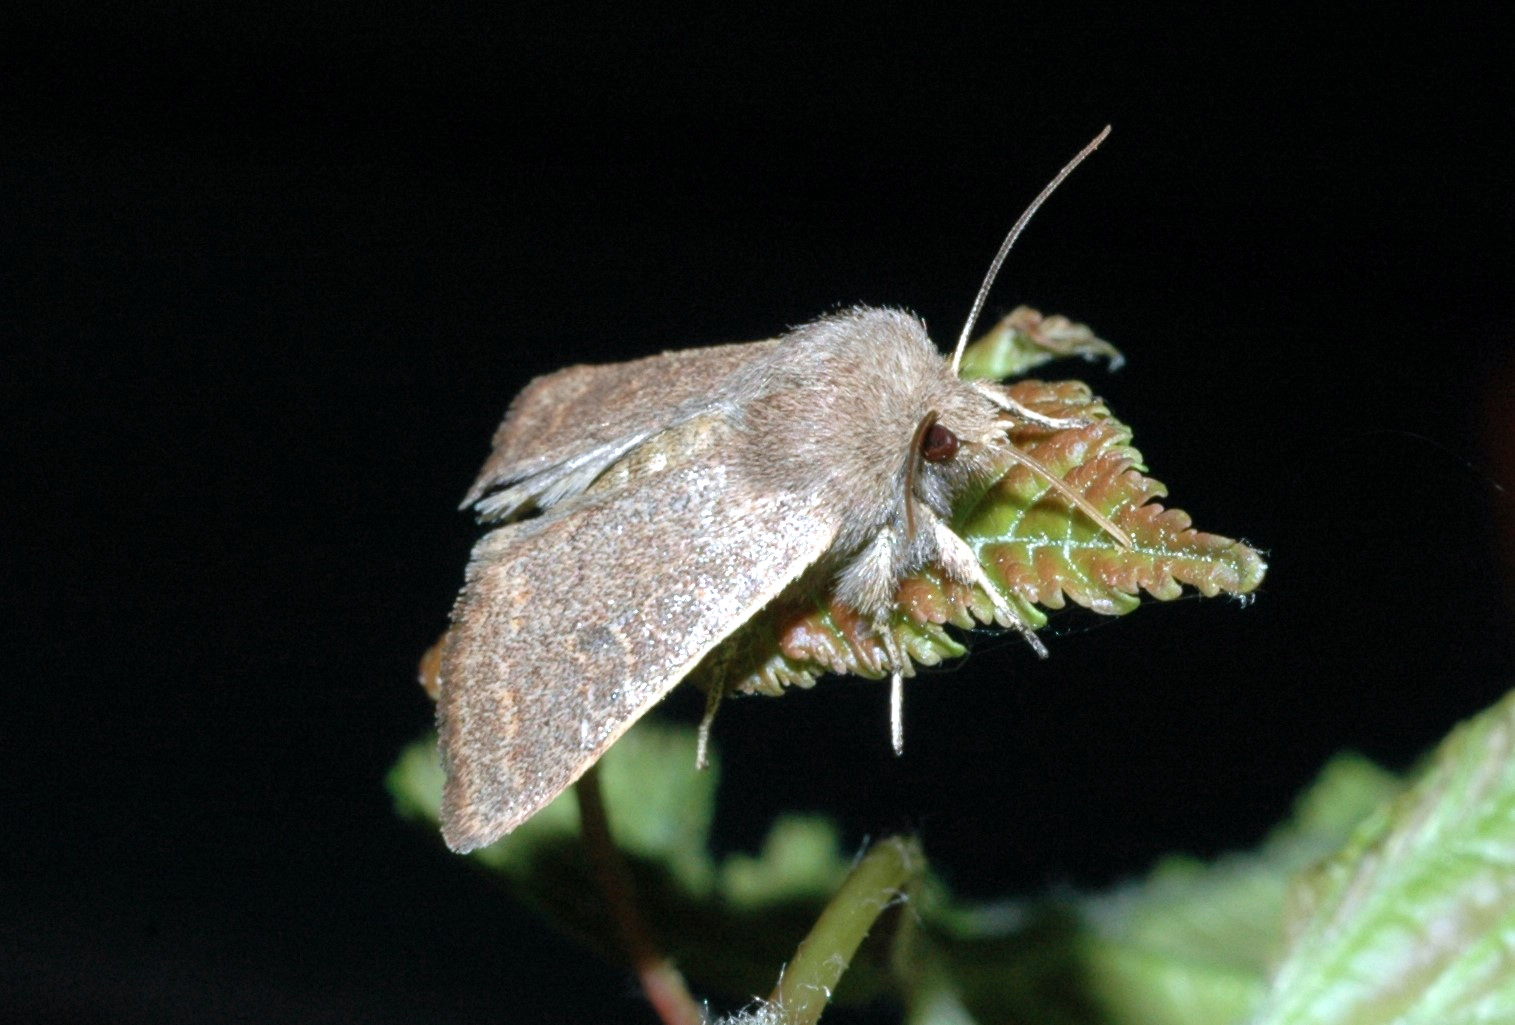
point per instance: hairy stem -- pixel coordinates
(875, 884)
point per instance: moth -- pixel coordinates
(642, 512)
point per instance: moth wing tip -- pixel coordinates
(459, 844)
(462, 835)
(465, 825)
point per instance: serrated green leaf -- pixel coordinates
(1039, 549)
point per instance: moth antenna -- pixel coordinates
(1061, 486)
(1004, 249)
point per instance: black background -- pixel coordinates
(270, 278)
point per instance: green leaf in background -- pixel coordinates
(727, 923)
(1413, 921)
(1193, 942)
(1381, 902)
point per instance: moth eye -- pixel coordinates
(938, 444)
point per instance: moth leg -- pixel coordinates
(702, 745)
(897, 665)
(713, 695)
(961, 563)
(897, 712)
(868, 585)
(1023, 412)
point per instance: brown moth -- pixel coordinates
(645, 511)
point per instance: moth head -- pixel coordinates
(958, 446)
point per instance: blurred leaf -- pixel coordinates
(1413, 921)
(1380, 903)
(1188, 945)
(1192, 943)
(727, 923)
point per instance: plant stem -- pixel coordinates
(661, 982)
(806, 985)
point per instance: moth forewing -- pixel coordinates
(573, 624)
